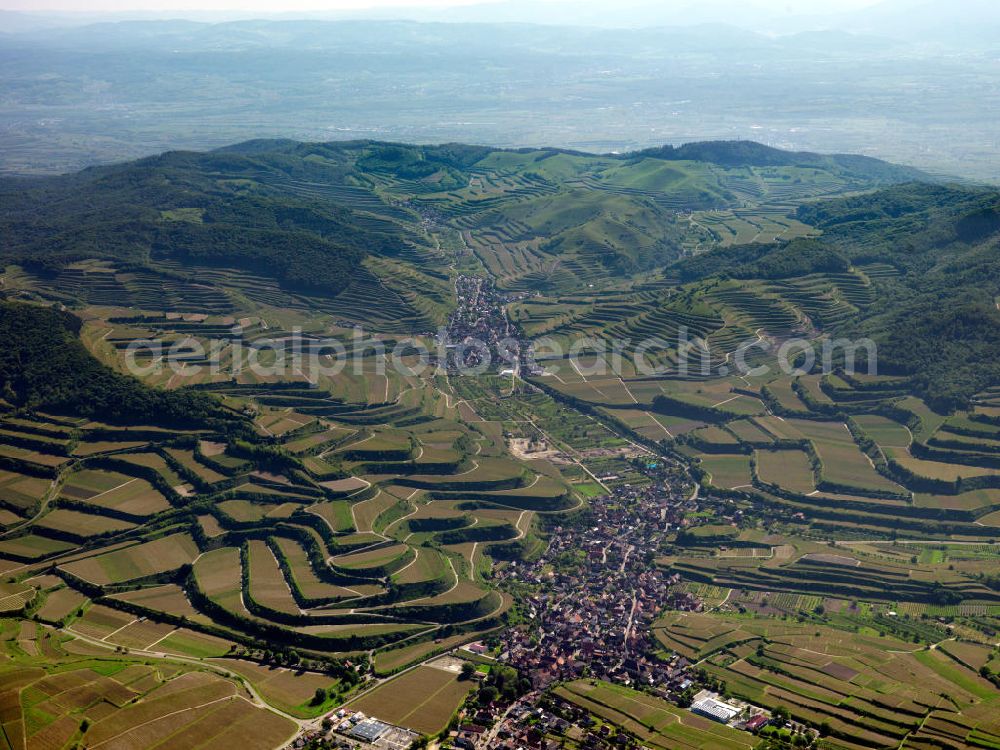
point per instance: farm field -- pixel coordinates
(286, 689)
(129, 496)
(114, 701)
(727, 471)
(788, 469)
(843, 462)
(32, 547)
(656, 722)
(60, 604)
(81, 526)
(387, 662)
(863, 686)
(192, 643)
(158, 556)
(440, 692)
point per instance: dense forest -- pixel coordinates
(44, 365)
(765, 261)
(195, 208)
(751, 153)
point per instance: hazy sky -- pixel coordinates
(320, 6)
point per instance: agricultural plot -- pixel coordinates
(168, 599)
(188, 462)
(60, 604)
(157, 463)
(651, 425)
(884, 431)
(87, 483)
(937, 469)
(33, 458)
(71, 524)
(366, 513)
(32, 547)
(738, 227)
(192, 643)
(819, 571)
(248, 512)
(194, 705)
(427, 565)
(392, 660)
(130, 496)
(138, 561)
(21, 492)
(267, 584)
(377, 560)
(726, 470)
(788, 469)
(217, 574)
(99, 621)
(866, 689)
(305, 578)
(788, 399)
(843, 463)
(8, 519)
(14, 596)
(440, 692)
(750, 432)
(929, 420)
(715, 438)
(281, 422)
(143, 635)
(973, 500)
(657, 723)
(286, 689)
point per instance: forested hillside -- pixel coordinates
(934, 311)
(363, 229)
(200, 209)
(308, 214)
(43, 365)
(938, 321)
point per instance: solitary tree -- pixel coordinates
(781, 715)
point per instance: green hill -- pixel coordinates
(752, 154)
(927, 256)
(43, 365)
(309, 215)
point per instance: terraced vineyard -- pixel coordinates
(360, 536)
(869, 691)
(354, 522)
(535, 220)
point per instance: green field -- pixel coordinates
(657, 723)
(439, 691)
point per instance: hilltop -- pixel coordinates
(308, 215)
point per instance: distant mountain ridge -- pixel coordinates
(726, 153)
(751, 153)
(307, 214)
(76, 95)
